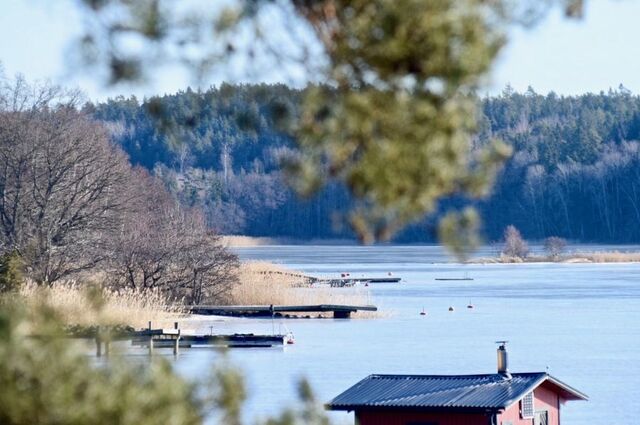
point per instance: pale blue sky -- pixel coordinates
(568, 57)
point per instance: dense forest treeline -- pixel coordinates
(574, 172)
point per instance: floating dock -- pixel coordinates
(173, 338)
(339, 311)
(231, 341)
(344, 281)
(353, 281)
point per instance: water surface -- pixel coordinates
(579, 321)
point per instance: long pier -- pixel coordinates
(345, 278)
(339, 311)
(344, 281)
(352, 281)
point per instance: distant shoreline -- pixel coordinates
(239, 241)
(577, 257)
(573, 258)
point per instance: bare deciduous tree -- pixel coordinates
(554, 245)
(162, 245)
(59, 182)
(514, 244)
(70, 202)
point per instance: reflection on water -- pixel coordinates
(579, 320)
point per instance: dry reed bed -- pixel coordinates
(78, 305)
(259, 283)
(263, 283)
(608, 257)
(237, 241)
(577, 257)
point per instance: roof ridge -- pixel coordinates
(399, 376)
(480, 375)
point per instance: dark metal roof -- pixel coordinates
(451, 392)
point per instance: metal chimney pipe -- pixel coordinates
(503, 359)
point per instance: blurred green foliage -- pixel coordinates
(11, 271)
(48, 381)
(396, 121)
(460, 230)
(48, 378)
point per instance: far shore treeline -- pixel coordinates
(574, 173)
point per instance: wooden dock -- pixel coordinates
(383, 279)
(230, 341)
(344, 281)
(339, 311)
(175, 339)
(353, 281)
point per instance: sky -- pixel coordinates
(566, 56)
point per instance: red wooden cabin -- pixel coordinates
(495, 399)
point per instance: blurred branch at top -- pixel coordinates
(395, 111)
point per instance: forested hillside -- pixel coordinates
(575, 171)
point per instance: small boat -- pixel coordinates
(451, 308)
(423, 313)
(470, 305)
(289, 338)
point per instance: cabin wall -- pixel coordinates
(402, 417)
(544, 399)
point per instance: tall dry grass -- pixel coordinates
(82, 305)
(237, 241)
(606, 257)
(263, 283)
(576, 257)
(259, 283)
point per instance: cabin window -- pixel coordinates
(526, 406)
(542, 418)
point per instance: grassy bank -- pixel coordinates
(576, 257)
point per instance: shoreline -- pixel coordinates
(239, 241)
(603, 257)
(616, 253)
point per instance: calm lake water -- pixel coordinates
(581, 321)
